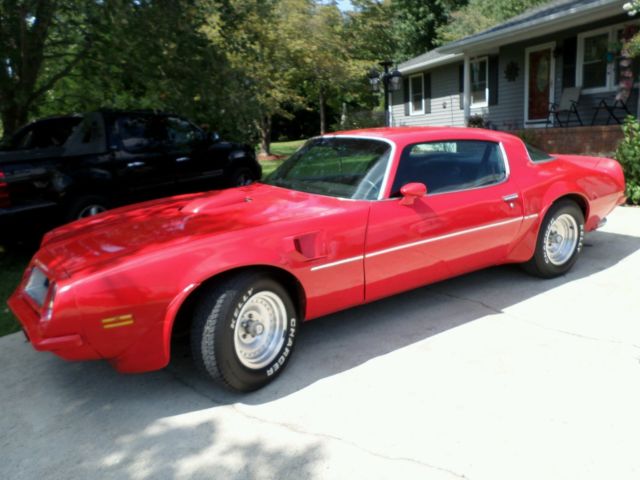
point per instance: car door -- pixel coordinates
(470, 215)
(142, 167)
(188, 148)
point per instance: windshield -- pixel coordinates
(336, 166)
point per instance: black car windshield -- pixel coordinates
(336, 166)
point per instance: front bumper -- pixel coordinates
(70, 346)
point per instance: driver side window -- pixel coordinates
(452, 165)
(181, 135)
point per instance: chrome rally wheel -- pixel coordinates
(244, 330)
(561, 239)
(260, 330)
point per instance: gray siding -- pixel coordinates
(445, 101)
(508, 114)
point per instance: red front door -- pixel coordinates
(540, 83)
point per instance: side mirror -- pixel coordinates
(214, 137)
(411, 191)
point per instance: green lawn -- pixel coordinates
(281, 149)
(12, 264)
(286, 148)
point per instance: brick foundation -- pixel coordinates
(598, 140)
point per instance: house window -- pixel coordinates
(416, 94)
(598, 59)
(479, 82)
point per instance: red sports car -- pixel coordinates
(350, 218)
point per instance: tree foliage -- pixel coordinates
(628, 154)
(416, 24)
(478, 15)
(41, 41)
(231, 64)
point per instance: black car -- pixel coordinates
(64, 168)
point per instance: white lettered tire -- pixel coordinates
(560, 240)
(244, 331)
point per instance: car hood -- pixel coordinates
(152, 226)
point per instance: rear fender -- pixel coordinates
(525, 247)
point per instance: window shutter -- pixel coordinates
(569, 55)
(494, 80)
(461, 85)
(405, 91)
(426, 81)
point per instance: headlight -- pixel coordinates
(41, 291)
(37, 286)
(48, 312)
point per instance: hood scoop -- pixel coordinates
(215, 201)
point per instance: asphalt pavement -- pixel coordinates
(493, 375)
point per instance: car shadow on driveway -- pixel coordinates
(336, 343)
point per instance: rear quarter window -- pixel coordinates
(537, 155)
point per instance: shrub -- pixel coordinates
(476, 121)
(628, 154)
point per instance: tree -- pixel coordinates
(478, 15)
(260, 39)
(41, 41)
(416, 23)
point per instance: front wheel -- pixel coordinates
(244, 331)
(559, 241)
(241, 176)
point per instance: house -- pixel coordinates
(511, 73)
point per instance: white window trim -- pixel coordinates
(611, 85)
(411, 110)
(486, 89)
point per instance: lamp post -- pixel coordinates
(390, 81)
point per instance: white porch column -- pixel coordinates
(467, 89)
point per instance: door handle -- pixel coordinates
(183, 159)
(135, 164)
(510, 198)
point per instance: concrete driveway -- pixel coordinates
(494, 375)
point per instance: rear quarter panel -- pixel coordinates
(597, 190)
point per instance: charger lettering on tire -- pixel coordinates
(244, 330)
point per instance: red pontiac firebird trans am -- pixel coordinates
(350, 218)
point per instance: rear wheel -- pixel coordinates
(244, 331)
(559, 240)
(85, 206)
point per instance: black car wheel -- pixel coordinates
(559, 241)
(244, 330)
(85, 206)
(241, 176)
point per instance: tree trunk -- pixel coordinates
(343, 116)
(13, 117)
(264, 129)
(323, 120)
